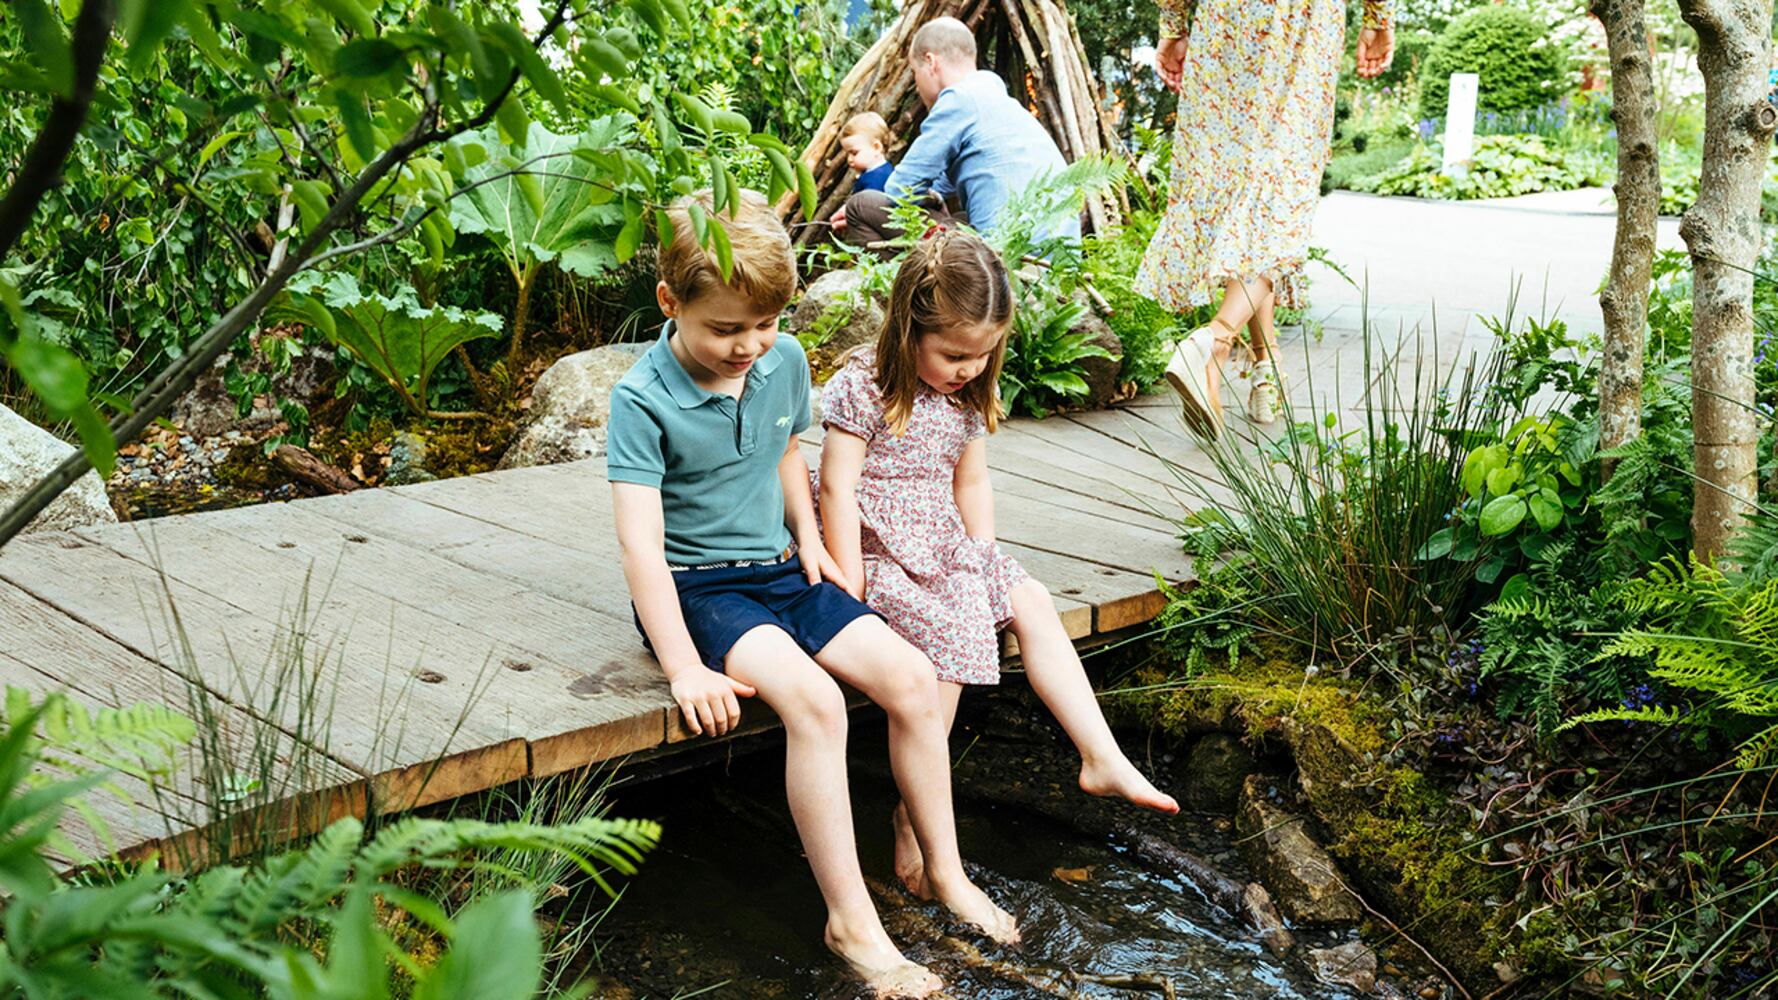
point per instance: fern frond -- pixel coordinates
(1758, 749)
(139, 740)
(1663, 715)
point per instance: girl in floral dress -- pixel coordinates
(1256, 106)
(908, 513)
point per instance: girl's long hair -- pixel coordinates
(950, 279)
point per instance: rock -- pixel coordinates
(208, 409)
(1214, 771)
(569, 407)
(1306, 883)
(27, 454)
(838, 303)
(1351, 964)
(1101, 374)
(407, 460)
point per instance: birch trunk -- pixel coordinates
(1722, 233)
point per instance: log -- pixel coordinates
(304, 466)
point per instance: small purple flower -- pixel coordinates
(1427, 128)
(1639, 696)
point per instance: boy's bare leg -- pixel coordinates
(909, 866)
(814, 716)
(895, 675)
(1061, 682)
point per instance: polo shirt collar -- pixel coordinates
(687, 393)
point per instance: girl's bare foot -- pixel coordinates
(1121, 779)
(910, 866)
(972, 906)
(875, 959)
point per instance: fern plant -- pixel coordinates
(1542, 640)
(1719, 650)
(301, 925)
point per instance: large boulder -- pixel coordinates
(1308, 886)
(27, 454)
(838, 305)
(1214, 772)
(569, 407)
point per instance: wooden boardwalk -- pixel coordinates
(470, 632)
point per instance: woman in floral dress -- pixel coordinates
(1256, 82)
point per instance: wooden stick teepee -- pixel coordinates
(1031, 44)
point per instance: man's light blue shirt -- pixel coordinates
(981, 144)
(714, 459)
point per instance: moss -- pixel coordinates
(1390, 826)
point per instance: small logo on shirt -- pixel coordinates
(784, 421)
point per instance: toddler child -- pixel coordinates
(731, 582)
(908, 512)
(865, 138)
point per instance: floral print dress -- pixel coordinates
(1254, 133)
(942, 590)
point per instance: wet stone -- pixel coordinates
(1308, 886)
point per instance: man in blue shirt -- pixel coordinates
(977, 143)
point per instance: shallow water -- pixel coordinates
(727, 903)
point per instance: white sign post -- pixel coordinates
(1460, 123)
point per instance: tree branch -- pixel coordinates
(42, 167)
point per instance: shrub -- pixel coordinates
(1506, 47)
(1503, 166)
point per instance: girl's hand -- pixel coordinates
(819, 565)
(1169, 61)
(1376, 50)
(707, 700)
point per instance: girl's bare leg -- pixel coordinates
(910, 867)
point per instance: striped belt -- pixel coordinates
(777, 560)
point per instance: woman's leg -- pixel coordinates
(1241, 302)
(1262, 331)
(1061, 682)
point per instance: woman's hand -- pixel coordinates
(1376, 50)
(1169, 61)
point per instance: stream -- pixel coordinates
(726, 903)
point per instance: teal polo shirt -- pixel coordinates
(714, 459)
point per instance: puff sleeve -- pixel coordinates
(850, 402)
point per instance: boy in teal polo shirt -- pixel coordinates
(732, 584)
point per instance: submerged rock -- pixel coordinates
(1304, 879)
(1214, 771)
(569, 407)
(1351, 964)
(27, 454)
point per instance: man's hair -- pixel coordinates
(764, 271)
(945, 37)
(867, 123)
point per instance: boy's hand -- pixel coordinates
(819, 565)
(838, 219)
(707, 700)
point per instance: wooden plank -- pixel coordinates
(46, 651)
(608, 704)
(234, 646)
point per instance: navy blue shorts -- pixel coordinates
(724, 603)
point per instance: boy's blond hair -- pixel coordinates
(869, 124)
(764, 271)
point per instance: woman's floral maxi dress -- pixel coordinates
(1253, 135)
(943, 591)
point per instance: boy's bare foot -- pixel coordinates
(1121, 779)
(972, 906)
(910, 866)
(874, 958)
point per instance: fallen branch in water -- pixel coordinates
(302, 464)
(1249, 902)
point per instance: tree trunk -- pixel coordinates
(1625, 299)
(1722, 233)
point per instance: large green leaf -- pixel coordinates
(395, 336)
(566, 218)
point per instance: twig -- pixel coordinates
(1380, 915)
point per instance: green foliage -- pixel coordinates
(1540, 642)
(1043, 356)
(1503, 166)
(393, 335)
(1209, 619)
(303, 925)
(1506, 46)
(1334, 518)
